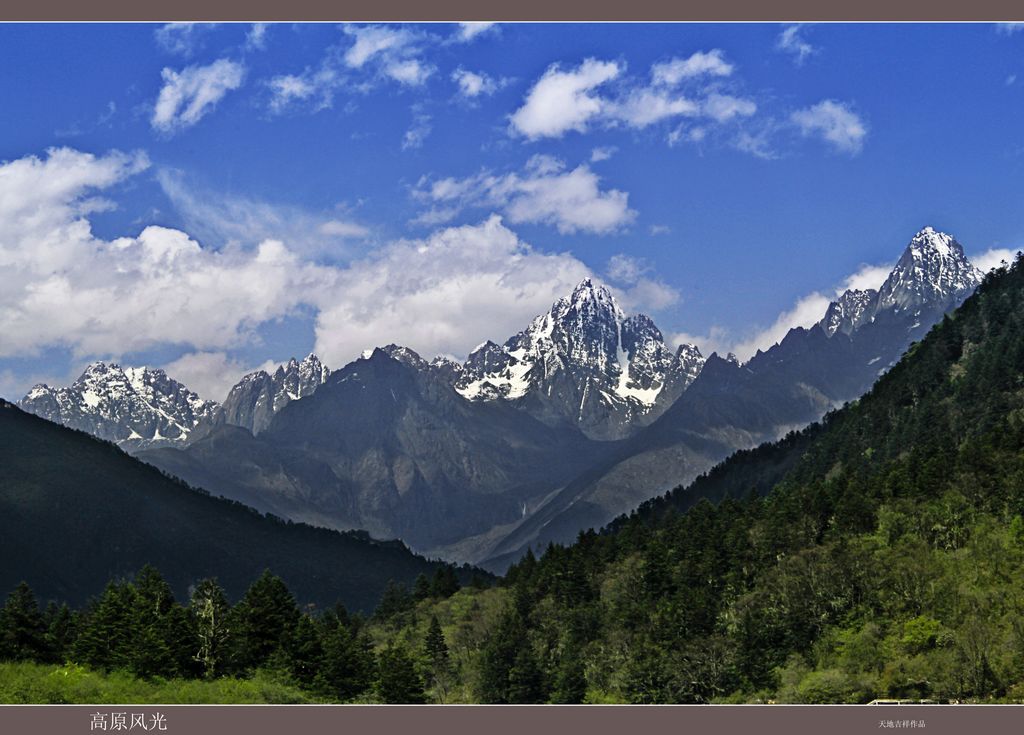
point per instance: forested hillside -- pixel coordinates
(877, 554)
(77, 512)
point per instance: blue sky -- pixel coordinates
(211, 199)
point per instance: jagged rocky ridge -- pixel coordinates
(135, 407)
(254, 400)
(142, 408)
(584, 363)
(387, 445)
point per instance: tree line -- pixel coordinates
(138, 626)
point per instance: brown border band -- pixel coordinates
(514, 10)
(505, 720)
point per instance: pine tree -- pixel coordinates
(22, 631)
(397, 679)
(265, 619)
(445, 582)
(153, 651)
(306, 651)
(107, 637)
(60, 632)
(438, 661)
(525, 678)
(347, 666)
(421, 587)
(395, 601)
(498, 657)
(570, 682)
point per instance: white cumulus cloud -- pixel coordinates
(564, 100)
(545, 192)
(443, 294)
(67, 288)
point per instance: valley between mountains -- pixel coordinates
(577, 419)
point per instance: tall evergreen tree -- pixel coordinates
(398, 682)
(347, 668)
(395, 601)
(22, 631)
(155, 641)
(306, 651)
(60, 625)
(421, 587)
(439, 667)
(265, 619)
(107, 638)
(445, 583)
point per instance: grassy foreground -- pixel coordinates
(32, 683)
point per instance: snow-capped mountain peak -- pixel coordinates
(932, 274)
(584, 361)
(129, 405)
(933, 271)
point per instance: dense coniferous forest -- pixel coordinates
(877, 554)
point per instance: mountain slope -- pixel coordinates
(961, 382)
(880, 554)
(731, 406)
(386, 444)
(76, 512)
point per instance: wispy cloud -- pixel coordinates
(700, 64)
(636, 287)
(256, 38)
(475, 84)
(367, 56)
(417, 132)
(834, 122)
(182, 39)
(791, 41)
(218, 220)
(190, 94)
(470, 31)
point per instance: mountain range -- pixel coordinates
(576, 419)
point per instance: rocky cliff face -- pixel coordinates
(254, 400)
